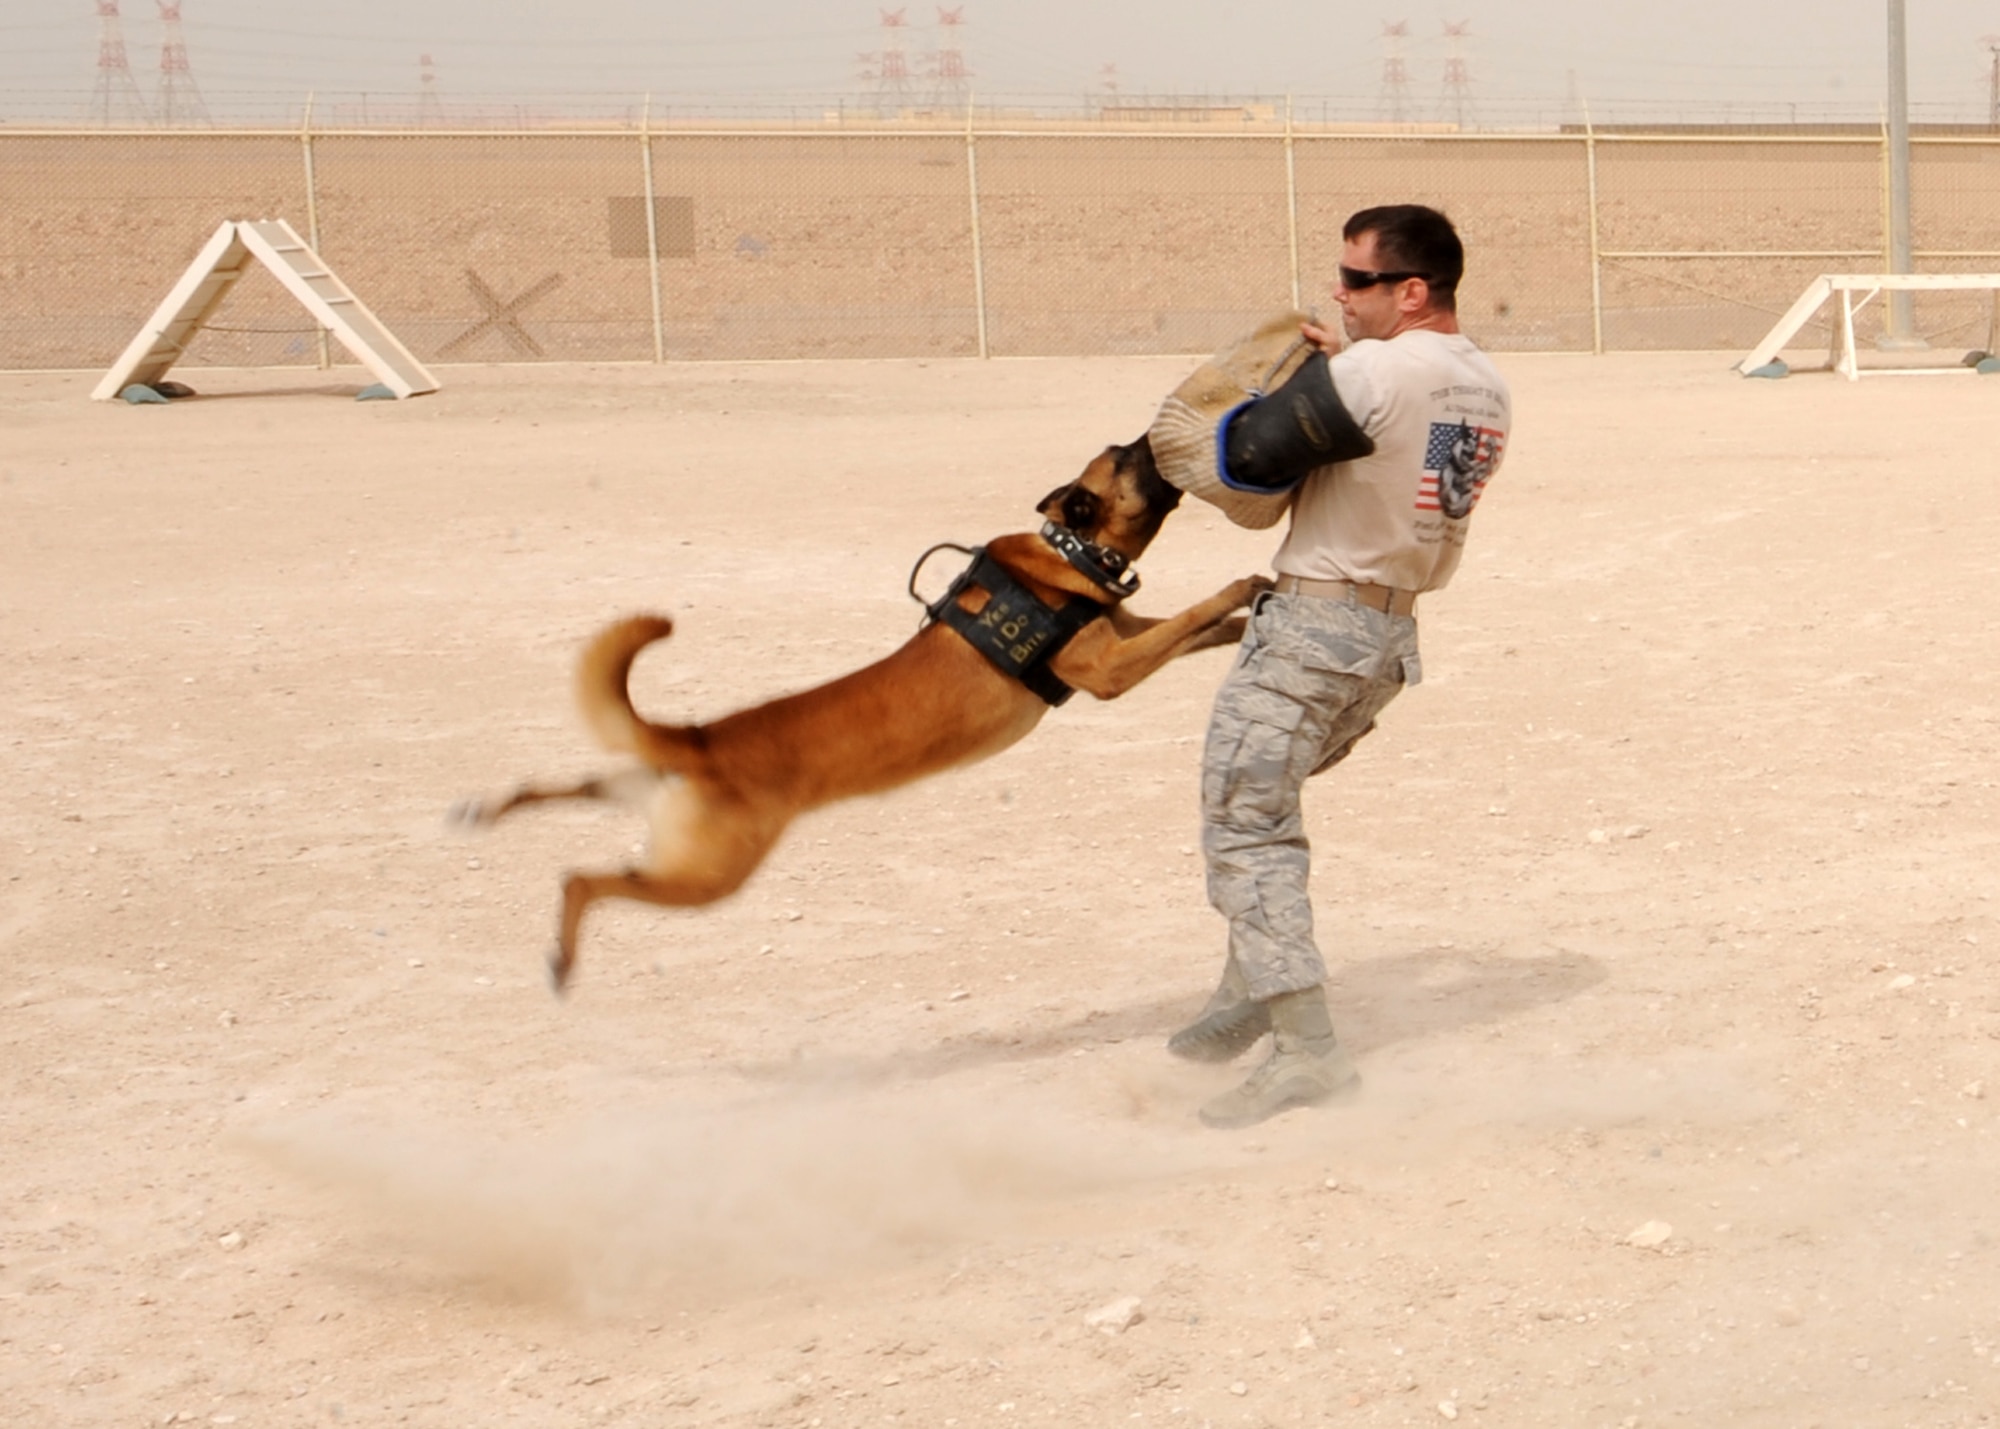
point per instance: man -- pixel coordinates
(1379, 452)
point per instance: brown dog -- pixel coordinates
(719, 795)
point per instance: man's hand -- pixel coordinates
(1326, 339)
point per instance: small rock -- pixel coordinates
(959, 995)
(1635, 831)
(1651, 1235)
(230, 1240)
(472, 863)
(1447, 1409)
(1239, 1388)
(1901, 981)
(1788, 1314)
(226, 1019)
(1598, 836)
(1973, 1091)
(1305, 1340)
(1117, 1317)
(792, 915)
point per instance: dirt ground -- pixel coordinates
(1660, 918)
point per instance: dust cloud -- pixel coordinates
(691, 1203)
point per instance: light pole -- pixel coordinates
(1992, 43)
(1899, 331)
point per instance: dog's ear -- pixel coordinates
(1051, 499)
(1081, 509)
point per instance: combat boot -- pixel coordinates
(1229, 1023)
(1307, 1065)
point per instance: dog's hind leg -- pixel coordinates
(628, 787)
(675, 890)
(704, 846)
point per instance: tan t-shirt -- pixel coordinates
(1439, 414)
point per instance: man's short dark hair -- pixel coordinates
(1410, 238)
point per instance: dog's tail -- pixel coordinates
(606, 702)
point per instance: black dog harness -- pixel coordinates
(1015, 630)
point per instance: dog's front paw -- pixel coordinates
(1242, 592)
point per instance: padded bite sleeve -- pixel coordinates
(1271, 443)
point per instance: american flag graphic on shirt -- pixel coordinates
(1458, 462)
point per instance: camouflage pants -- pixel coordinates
(1309, 679)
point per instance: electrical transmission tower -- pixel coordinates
(889, 67)
(1395, 96)
(116, 99)
(180, 102)
(951, 81)
(429, 110)
(1456, 97)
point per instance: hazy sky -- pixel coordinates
(1807, 52)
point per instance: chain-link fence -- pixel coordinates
(637, 244)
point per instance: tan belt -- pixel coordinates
(1386, 599)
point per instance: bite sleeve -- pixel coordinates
(1271, 442)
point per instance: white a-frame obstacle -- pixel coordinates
(207, 281)
(1761, 361)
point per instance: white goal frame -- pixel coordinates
(1842, 357)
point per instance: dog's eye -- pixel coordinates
(1080, 509)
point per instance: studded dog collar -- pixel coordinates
(1108, 570)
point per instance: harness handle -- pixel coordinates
(931, 608)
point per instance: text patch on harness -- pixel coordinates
(1015, 631)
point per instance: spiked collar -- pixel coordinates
(1110, 571)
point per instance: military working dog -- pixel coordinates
(1043, 612)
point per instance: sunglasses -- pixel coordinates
(1356, 279)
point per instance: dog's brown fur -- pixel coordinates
(719, 795)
